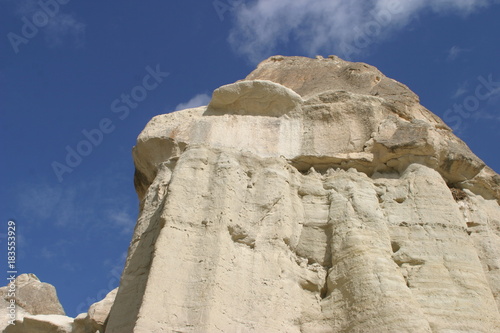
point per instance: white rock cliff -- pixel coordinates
(316, 195)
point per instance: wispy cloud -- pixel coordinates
(38, 200)
(121, 219)
(462, 89)
(47, 254)
(114, 266)
(263, 25)
(88, 210)
(453, 53)
(485, 115)
(93, 205)
(481, 102)
(198, 100)
(60, 29)
(65, 28)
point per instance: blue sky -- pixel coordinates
(86, 76)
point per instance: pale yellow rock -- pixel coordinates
(30, 296)
(42, 324)
(314, 196)
(33, 296)
(96, 317)
(37, 310)
(255, 98)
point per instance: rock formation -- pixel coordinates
(95, 319)
(38, 310)
(316, 195)
(32, 297)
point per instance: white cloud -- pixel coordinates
(482, 114)
(343, 27)
(47, 254)
(122, 219)
(60, 28)
(95, 205)
(65, 27)
(39, 200)
(454, 52)
(198, 100)
(462, 89)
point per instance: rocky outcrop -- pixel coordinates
(349, 115)
(96, 317)
(316, 195)
(31, 297)
(34, 297)
(37, 310)
(42, 324)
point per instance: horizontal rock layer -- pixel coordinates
(317, 195)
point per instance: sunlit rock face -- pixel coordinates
(316, 195)
(29, 305)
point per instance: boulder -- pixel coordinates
(42, 324)
(32, 297)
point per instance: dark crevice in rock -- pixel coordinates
(399, 200)
(328, 251)
(440, 225)
(324, 292)
(240, 235)
(141, 183)
(395, 247)
(458, 194)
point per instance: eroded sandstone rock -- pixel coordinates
(32, 297)
(42, 324)
(38, 310)
(313, 196)
(95, 319)
(35, 297)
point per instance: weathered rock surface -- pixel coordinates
(317, 195)
(96, 317)
(42, 324)
(32, 297)
(35, 297)
(38, 310)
